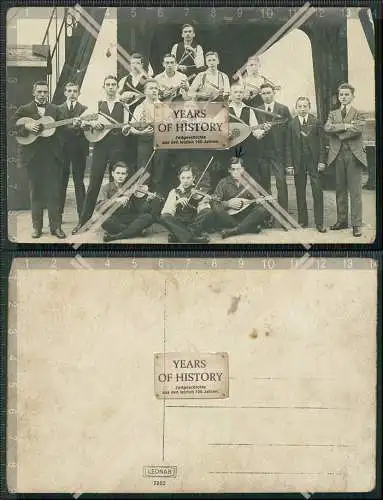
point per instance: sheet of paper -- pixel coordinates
(299, 354)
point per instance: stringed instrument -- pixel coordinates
(169, 93)
(238, 131)
(96, 135)
(245, 202)
(47, 127)
(143, 190)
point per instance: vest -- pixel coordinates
(305, 147)
(117, 114)
(190, 210)
(187, 58)
(244, 116)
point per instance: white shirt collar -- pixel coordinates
(348, 106)
(301, 118)
(69, 104)
(270, 106)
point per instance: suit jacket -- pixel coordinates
(73, 138)
(49, 146)
(274, 142)
(335, 129)
(315, 140)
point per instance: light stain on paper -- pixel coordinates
(215, 288)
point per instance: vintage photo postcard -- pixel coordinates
(192, 375)
(191, 125)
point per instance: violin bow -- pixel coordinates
(201, 176)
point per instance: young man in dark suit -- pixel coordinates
(344, 127)
(43, 160)
(272, 144)
(106, 151)
(76, 146)
(306, 154)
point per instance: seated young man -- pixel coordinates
(234, 207)
(135, 211)
(185, 215)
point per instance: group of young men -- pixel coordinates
(278, 145)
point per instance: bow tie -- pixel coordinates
(41, 105)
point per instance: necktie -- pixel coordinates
(343, 112)
(304, 121)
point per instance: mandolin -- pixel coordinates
(96, 135)
(47, 127)
(169, 93)
(238, 131)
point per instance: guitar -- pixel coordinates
(95, 135)
(169, 93)
(47, 127)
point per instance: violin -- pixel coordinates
(143, 190)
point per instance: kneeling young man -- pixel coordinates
(136, 211)
(185, 215)
(234, 207)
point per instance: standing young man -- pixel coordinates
(132, 84)
(306, 154)
(239, 112)
(189, 55)
(272, 146)
(143, 127)
(106, 151)
(43, 160)
(252, 81)
(344, 127)
(76, 147)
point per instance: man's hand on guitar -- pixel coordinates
(235, 203)
(32, 127)
(92, 125)
(77, 122)
(126, 129)
(98, 126)
(182, 67)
